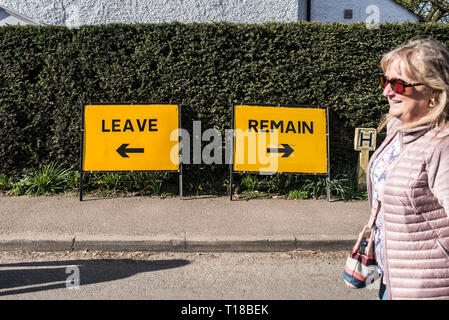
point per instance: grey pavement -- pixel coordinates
(54, 223)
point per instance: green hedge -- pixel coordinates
(48, 73)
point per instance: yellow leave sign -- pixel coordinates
(121, 137)
(290, 139)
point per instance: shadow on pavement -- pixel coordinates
(47, 275)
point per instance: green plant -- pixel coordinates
(20, 188)
(5, 183)
(249, 182)
(339, 186)
(156, 182)
(276, 183)
(344, 184)
(253, 194)
(111, 184)
(73, 180)
(48, 179)
(155, 186)
(110, 181)
(298, 194)
(315, 187)
(134, 182)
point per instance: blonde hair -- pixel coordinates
(425, 61)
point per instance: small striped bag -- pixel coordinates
(361, 269)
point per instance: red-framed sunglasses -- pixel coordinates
(397, 85)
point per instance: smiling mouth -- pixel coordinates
(394, 101)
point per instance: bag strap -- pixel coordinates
(374, 212)
(367, 231)
(369, 250)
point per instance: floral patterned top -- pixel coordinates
(379, 173)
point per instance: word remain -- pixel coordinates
(116, 125)
(281, 126)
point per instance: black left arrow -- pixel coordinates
(286, 150)
(123, 151)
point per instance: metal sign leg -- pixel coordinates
(180, 180)
(81, 186)
(231, 191)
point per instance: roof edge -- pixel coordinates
(20, 16)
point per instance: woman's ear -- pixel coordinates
(434, 97)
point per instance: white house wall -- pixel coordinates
(388, 11)
(81, 12)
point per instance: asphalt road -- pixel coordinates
(295, 275)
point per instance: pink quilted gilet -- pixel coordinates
(415, 205)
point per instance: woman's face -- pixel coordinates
(411, 105)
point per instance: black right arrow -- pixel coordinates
(287, 150)
(123, 151)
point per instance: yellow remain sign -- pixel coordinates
(290, 139)
(120, 137)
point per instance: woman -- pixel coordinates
(409, 174)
